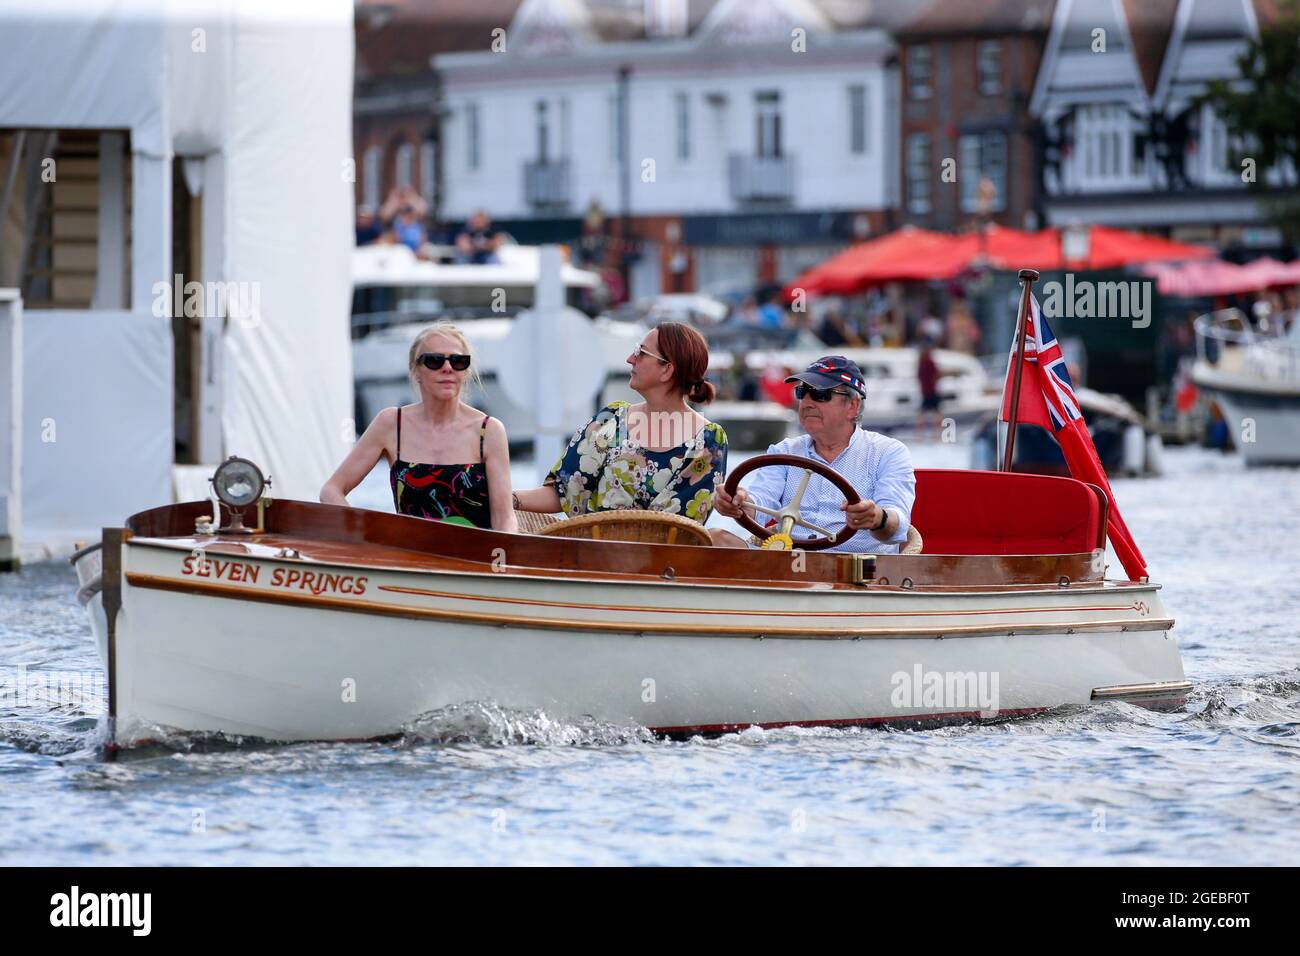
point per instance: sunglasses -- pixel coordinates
(642, 350)
(818, 394)
(433, 361)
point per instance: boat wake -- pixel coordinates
(488, 723)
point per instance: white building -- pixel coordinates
(742, 139)
(1126, 146)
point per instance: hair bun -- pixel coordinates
(702, 392)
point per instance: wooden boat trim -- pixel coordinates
(458, 568)
(1139, 692)
(422, 545)
(630, 627)
(458, 596)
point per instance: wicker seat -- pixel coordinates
(532, 522)
(647, 527)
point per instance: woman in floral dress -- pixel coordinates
(657, 455)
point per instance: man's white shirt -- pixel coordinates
(877, 466)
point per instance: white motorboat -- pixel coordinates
(1127, 444)
(1254, 376)
(893, 398)
(395, 295)
(331, 623)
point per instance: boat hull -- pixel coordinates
(243, 648)
(1264, 426)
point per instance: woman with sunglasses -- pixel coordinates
(418, 440)
(659, 454)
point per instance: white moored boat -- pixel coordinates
(1254, 375)
(334, 623)
(395, 295)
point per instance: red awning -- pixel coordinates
(1208, 279)
(912, 254)
(906, 254)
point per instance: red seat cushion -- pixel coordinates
(994, 512)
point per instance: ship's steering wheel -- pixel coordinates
(788, 516)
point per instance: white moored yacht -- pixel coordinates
(1254, 375)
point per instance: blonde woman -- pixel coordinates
(446, 460)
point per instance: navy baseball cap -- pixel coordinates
(831, 371)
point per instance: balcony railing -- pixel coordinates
(546, 183)
(762, 178)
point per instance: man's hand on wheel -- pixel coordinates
(725, 504)
(863, 516)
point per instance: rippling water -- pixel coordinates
(1217, 783)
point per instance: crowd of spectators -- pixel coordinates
(401, 220)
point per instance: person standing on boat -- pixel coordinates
(415, 439)
(657, 455)
(830, 392)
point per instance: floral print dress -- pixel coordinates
(604, 470)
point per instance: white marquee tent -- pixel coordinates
(255, 99)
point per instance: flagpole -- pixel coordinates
(1027, 278)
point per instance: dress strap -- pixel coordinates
(482, 433)
(398, 453)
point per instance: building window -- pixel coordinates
(918, 173)
(1105, 137)
(988, 66)
(918, 73)
(767, 115)
(857, 119)
(543, 132)
(682, 115)
(983, 156)
(472, 155)
(65, 239)
(370, 163)
(403, 163)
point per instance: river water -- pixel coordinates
(1218, 783)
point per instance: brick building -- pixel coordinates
(966, 147)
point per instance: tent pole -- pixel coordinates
(1027, 279)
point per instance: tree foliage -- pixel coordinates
(1261, 108)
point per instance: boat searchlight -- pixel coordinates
(239, 484)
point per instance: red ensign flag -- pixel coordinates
(1047, 399)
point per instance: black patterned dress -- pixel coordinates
(457, 494)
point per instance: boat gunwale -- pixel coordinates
(429, 544)
(573, 576)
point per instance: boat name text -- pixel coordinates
(294, 579)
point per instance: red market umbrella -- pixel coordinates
(1108, 248)
(905, 254)
(1269, 273)
(917, 254)
(1215, 278)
